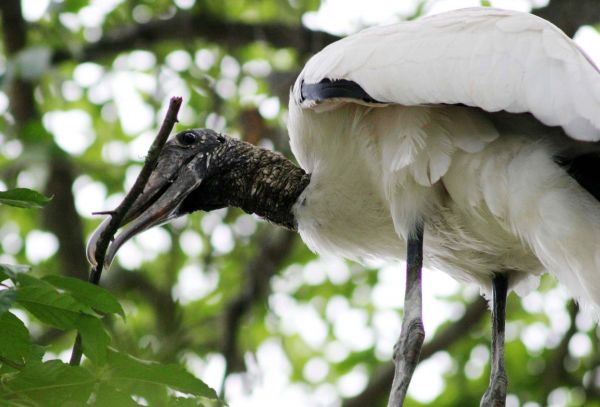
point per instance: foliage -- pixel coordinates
(80, 104)
(23, 198)
(29, 377)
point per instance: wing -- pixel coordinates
(493, 59)
(497, 61)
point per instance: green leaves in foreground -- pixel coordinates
(11, 270)
(91, 295)
(111, 378)
(60, 302)
(47, 304)
(51, 383)
(119, 383)
(126, 369)
(23, 198)
(7, 298)
(15, 344)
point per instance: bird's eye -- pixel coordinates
(187, 139)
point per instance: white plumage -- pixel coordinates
(493, 199)
(483, 57)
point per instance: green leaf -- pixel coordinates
(49, 384)
(7, 297)
(109, 396)
(89, 294)
(46, 303)
(15, 343)
(187, 402)
(23, 198)
(126, 368)
(94, 338)
(36, 354)
(11, 271)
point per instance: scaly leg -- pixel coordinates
(495, 395)
(408, 347)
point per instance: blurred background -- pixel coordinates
(244, 305)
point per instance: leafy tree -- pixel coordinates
(220, 297)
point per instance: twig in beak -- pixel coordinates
(111, 213)
(118, 214)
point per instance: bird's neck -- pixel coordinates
(260, 181)
(269, 186)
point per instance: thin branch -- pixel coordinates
(137, 189)
(111, 213)
(186, 26)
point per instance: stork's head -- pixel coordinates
(200, 169)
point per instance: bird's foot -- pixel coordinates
(495, 395)
(408, 346)
(406, 357)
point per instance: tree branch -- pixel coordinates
(20, 92)
(135, 191)
(187, 26)
(569, 15)
(380, 383)
(137, 188)
(61, 217)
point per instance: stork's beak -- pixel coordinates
(182, 166)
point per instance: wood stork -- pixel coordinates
(471, 132)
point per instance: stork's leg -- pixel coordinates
(495, 395)
(408, 347)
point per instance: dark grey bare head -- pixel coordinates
(200, 169)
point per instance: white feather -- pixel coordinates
(490, 202)
(489, 58)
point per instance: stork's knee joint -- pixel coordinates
(411, 340)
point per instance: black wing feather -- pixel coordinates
(339, 88)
